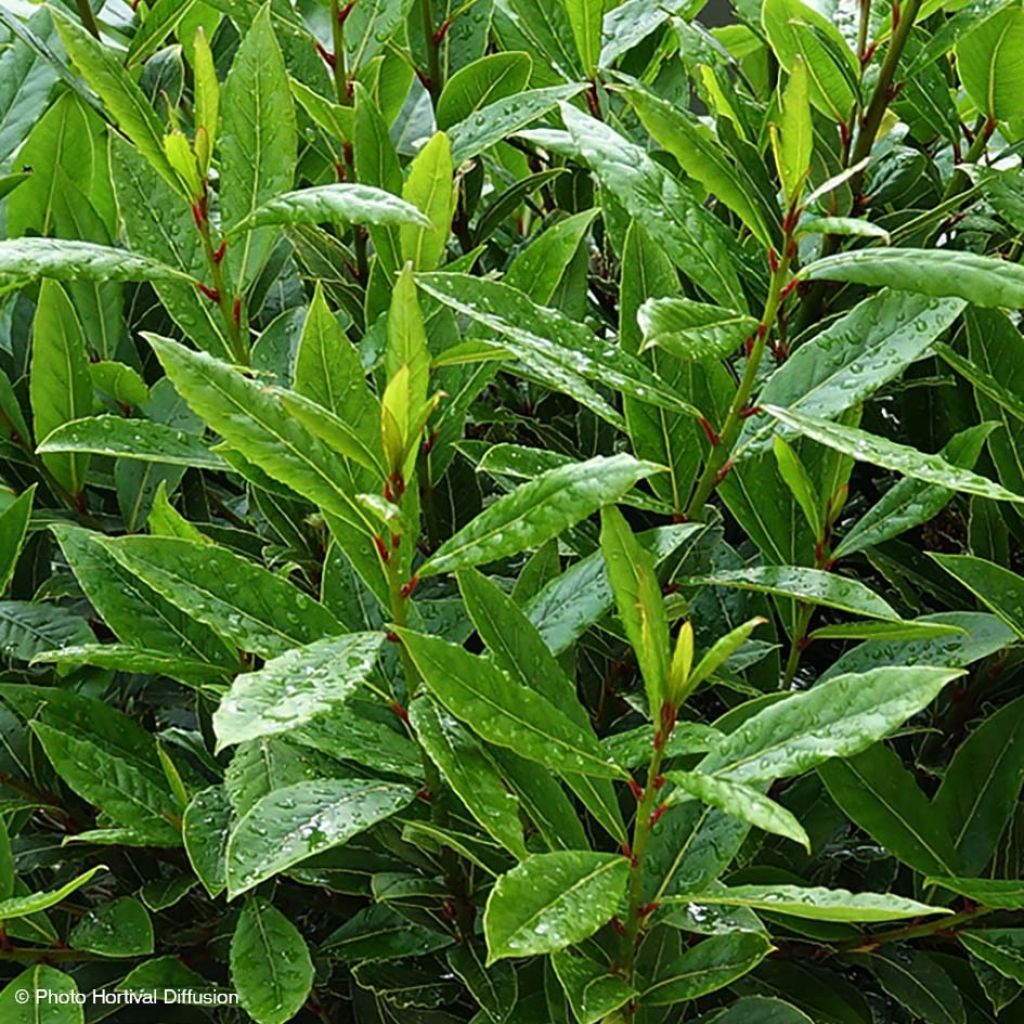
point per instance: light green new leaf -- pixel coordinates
(481, 83)
(793, 136)
(693, 331)
(879, 451)
(941, 273)
(814, 903)
(295, 687)
(470, 772)
(740, 801)
(504, 713)
(119, 928)
(990, 61)
(838, 718)
(712, 964)
(539, 510)
(291, 824)
(812, 586)
(270, 965)
(24, 906)
(586, 17)
(797, 479)
(144, 440)
(639, 602)
(258, 139)
(430, 189)
(552, 900)
(332, 204)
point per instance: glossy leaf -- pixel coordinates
(693, 330)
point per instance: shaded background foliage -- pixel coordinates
(308, 310)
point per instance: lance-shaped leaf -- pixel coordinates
(712, 964)
(792, 137)
(24, 906)
(270, 965)
(504, 117)
(989, 64)
(999, 893)
(137, 660)
(981, 280)
(639, 601)
(703, 158)
(205, 828)
(899, 458)
(504, 713)
(429, 187)
(693, 331)
(815, 903)
(295, 687)
(999, 589)
(548, 339)
(551, 901)
(144, 440)
(812, 586)
(838, 718)
(740, 801)
(1001, 948)
(591, 987)
(74, 261)
(539, 510)
(291, 824)
(254, 423)
(690, 235)
(482, 82)
(469, 771)
(243, 602)
(13, 528)
(333, 204)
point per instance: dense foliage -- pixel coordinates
(510, 511)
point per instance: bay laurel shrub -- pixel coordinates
(511, 512)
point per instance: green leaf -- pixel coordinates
(254, 423)
(639, 602)
(143, 440)
(999, 589)
(761, 1010)
(849, 227)
(130, 794)
(586, 17)
(481, 83)
(593, 991)
(865, 447)
(851, 359)
(838, 718)
(538, 510)
(547, 342)
(797, 33)
(812, 586)
(880, 796)
(797, 479)
(270, 965)
(712, 964)
(258, 138)
(988, 62)
(243, 602)
(740, 801)
(999, 893)
(119, 382)
(332, 204)
(793, 139)
(27, 629)
(552, 900)
(472, 775)
(380, 933)
(690, 235)
(981, 280)
(495, 988)
(41, 995)
(429, 188)
(693, 331)
(24, 906)
(498, 120)
(80, 261)
(815, 903)
(917, 982)
(1001, 948)
(982, 785)
(163, 18)
(703, 158)
(61, 388)
(290, 824)
(295, 687)
(205, 829)
(13, 528)
(912, 502)
(117, 929)
(478, 693)
(119, 92)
